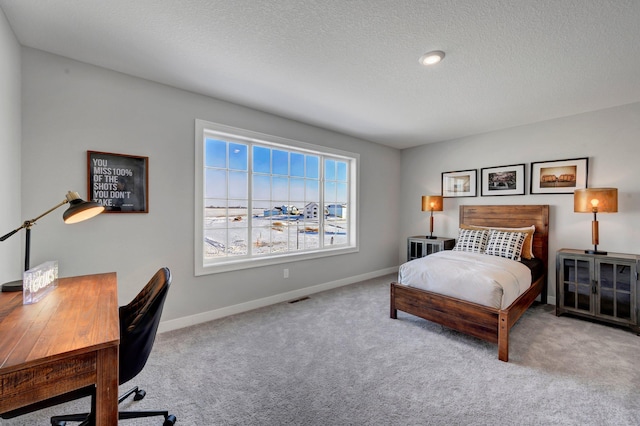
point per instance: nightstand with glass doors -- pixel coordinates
(603, 287)
(420, 246)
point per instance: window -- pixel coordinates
(262, 199)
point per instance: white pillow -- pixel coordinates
(506, 244)
(472, 240)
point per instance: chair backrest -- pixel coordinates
(139, 323)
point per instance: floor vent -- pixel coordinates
(299, 300)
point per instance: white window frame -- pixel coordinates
(204, 129)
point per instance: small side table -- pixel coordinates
(420, 246)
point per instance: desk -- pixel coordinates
(66, 341)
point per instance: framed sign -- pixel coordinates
(559, 176)
(460, 184)
(502, 180)
(119, 182)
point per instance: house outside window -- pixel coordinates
(262, 199)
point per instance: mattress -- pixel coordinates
(484, 279)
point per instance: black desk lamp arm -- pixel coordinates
(28, 224)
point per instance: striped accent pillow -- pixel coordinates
(472, 240)
(506, 244)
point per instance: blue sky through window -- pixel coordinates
(278, 174)
(278, 177)
(238, 157)
(263, 199)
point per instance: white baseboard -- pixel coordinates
(183, 322)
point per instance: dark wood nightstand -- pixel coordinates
(601, 287)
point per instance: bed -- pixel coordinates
(487, 323)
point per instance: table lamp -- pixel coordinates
(595, 200)
(431, 203)
(78, 211)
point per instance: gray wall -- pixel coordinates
(611, 140)
(71, 107)
(11, 260)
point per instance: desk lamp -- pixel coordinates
(78, 211)
(595, 200)
(431, 203)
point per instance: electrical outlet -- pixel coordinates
(286, 273)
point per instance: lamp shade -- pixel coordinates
(79, 209)
(432, 203)
(595, 200)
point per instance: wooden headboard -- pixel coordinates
(513, 216)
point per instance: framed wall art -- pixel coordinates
(502, 180)
(119, 182)
(462, 183)
(559, 176)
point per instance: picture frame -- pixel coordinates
(502, 180)
(119, 182)
(559, 176)
(462, 183)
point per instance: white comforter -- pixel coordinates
(480, 278)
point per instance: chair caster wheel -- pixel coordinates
(60, 423)
(170, 420)
(139, 395)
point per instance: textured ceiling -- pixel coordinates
(352, 65)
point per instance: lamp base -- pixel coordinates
(603, 253)
(431, 237)
(12, 286)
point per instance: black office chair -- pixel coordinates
(138, 326)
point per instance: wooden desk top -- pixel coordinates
(80, 315)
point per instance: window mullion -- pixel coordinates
(228, 198)
(250, 199)
(349, 212)
(321, 207)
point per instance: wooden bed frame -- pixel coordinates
(483, 322)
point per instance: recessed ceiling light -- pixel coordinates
(432, 57)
